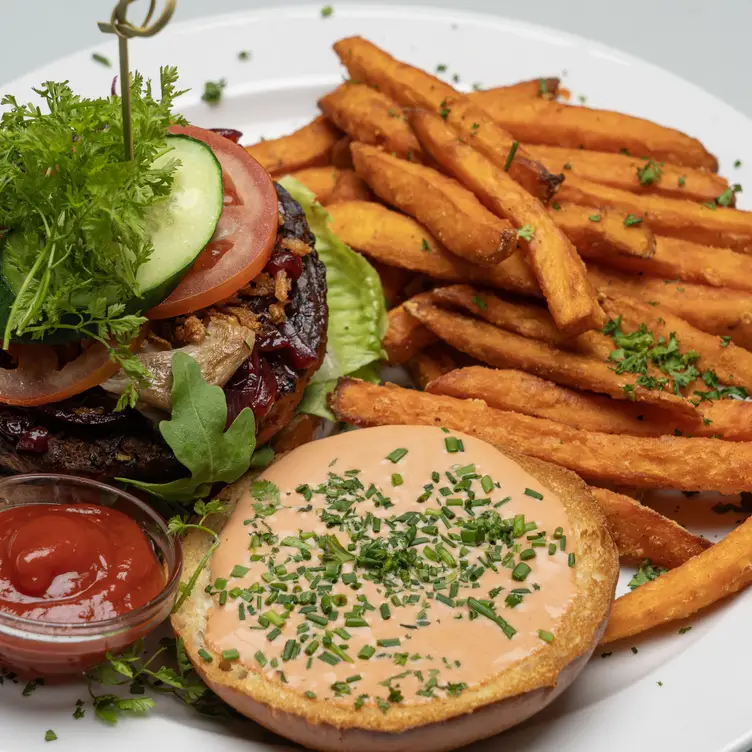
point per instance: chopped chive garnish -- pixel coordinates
(545, 636)
(397, 479)
(356, 621)
(396, 455)
(205, 656)
(483, 610)
(329, 658)
(563, 543)
(290, 649)
(276, 632)
(385, 611)
(570, 559)
(558, 533)
(520, 572)
(453, 444)
(528, 553)
(260, 659)
(366, 652)
(312, 647)
(230, 655)
(551, 549)
(533, 493)
(510, 156)
(391, 642)
(487, 483)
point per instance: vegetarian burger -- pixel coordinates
(113, 270)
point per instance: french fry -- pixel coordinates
(414, 88)
(320, 180)
(545, 88)
(524, 393)
(709, 225)
(681, 259)
(447, 208)
(665, 462)
(602, 234)
(704, 579)
(623, 172)
(555, 262)
(526, 319)
(504, 349)
(474, 126)
(371, 117)
(393, 282)
(642, 533)
(405, 336)
(300, 430)
(309, 146)
(431, 363)
(714, 310)
(340, 156)
(350, 187)
(732, 364)
(537, 121)
(398, 240)
(731, 419)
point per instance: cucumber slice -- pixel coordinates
(180, 228)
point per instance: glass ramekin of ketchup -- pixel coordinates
(84, 569)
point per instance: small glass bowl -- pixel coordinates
(48, 649)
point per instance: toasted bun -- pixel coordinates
(481, 711)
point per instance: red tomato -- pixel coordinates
(244, 238)
(38, 379)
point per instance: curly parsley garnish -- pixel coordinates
(636, 351)
(75, 212)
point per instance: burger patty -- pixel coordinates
(84, 436)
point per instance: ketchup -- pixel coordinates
(74, 564)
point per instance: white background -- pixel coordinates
(705, 41)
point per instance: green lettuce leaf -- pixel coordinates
(316, 397)
(357, 313)
(197, 436)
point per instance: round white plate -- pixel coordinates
(677, 692)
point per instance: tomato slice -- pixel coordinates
(245, 234)
(38, 379)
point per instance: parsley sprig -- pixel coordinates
(646, 573)
(75, 212)
(639, 350)
(166, 671)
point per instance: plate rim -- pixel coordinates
(407, 13)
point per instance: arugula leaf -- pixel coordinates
(357, 313)
(196, 434)
(646, 573)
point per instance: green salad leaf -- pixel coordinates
(316, 396)
(196, 434)
(357, 312)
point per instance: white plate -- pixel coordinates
(617, 704)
